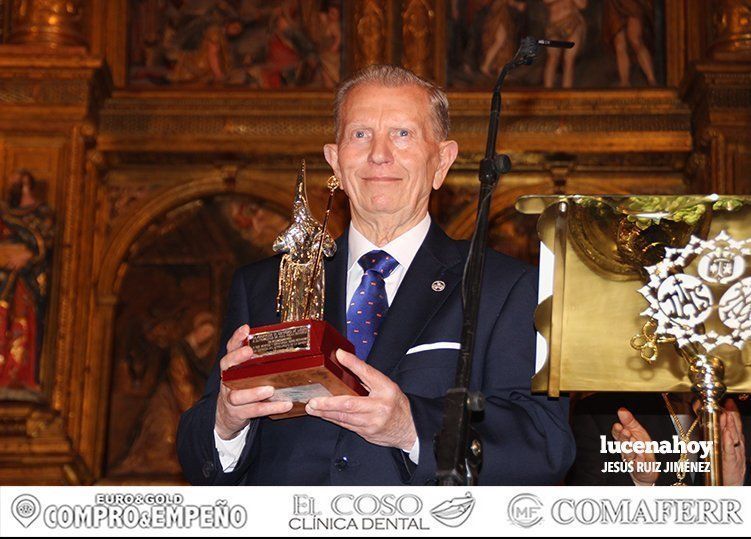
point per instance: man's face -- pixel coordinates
(387, 156)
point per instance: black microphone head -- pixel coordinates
(556, 44)
(527, 51)
(528, 46)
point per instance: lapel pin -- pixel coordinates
(438, 286)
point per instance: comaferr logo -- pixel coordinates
(660, 511)
(525, 510)
(454, 512)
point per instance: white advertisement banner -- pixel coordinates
(377, 511)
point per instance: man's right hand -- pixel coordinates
(236, 407)
(630, 430)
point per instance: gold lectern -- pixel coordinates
(646, 293)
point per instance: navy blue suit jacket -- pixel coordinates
(527, 440)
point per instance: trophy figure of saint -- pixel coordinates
(298, 355)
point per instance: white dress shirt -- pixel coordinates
(403, 249)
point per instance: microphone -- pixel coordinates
(555, 44)
(529, 46)
(458, 444)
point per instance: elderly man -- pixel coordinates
(391, 151)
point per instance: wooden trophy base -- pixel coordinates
(299, 360)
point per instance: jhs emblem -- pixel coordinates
(438, 286)
(685, 299)
(682, 304)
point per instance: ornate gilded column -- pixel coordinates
(371, 23)
(51, 90)
(56, 23)
(418, 18)
(718, 88)
(4, 20)
(373, 36)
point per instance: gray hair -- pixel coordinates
(393, 76)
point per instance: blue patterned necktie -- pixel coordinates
(369, 304)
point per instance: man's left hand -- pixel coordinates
(383, 418)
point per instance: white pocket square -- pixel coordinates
(434, 346)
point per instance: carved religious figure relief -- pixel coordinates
(26, 239)
(626, 26)
(190, 360)
(565, 23)
(166, 330)
(249, 43)
(417, 31)
(617, 43)
(370, 29)
(499, 41)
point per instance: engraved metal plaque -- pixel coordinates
(280, 341)
(300, 393)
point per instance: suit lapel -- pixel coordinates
(336, 285)
(416, 303)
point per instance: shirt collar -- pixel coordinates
(403, 248)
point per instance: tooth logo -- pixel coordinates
(25, 509)
(454, 512)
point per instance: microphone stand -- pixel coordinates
(458, 445)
